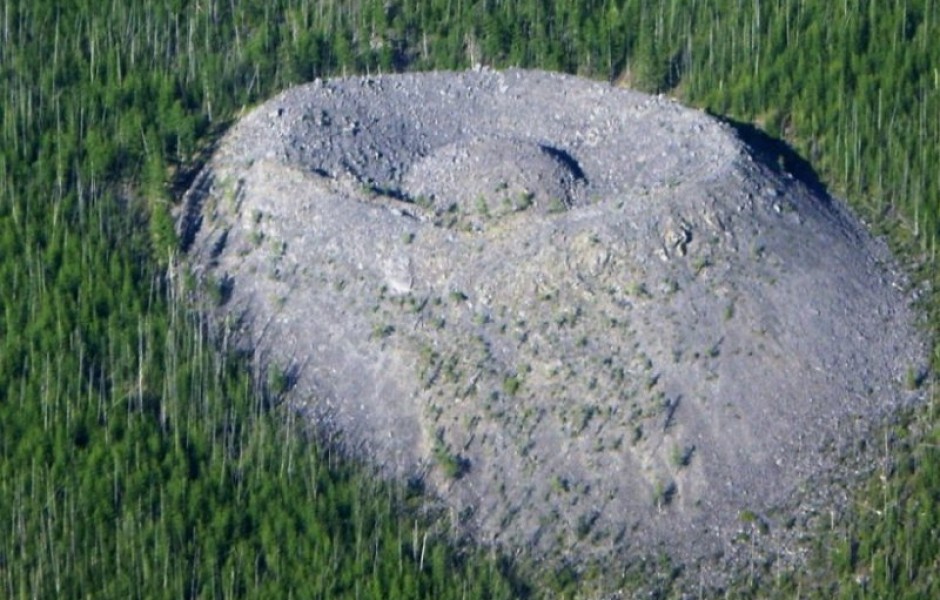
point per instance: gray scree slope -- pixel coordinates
(590, 318)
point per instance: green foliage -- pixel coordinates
(162, 233)
(511, 385)
(452, 465)
(279, 381)
(555, 205)
(681, 456)
(136, 461)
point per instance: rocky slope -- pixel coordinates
(597, 323)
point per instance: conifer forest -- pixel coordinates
(140, 459)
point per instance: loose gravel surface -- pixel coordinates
(597, 324)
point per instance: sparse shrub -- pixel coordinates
(663, 493)
(700, 264)
(482, 207)
(451, 370)
(637, 289)
(511, 385)
(585, 524)
(682, 455)
(913, 378)
(560, 484)
(751, 518)
(452, 465)
(586, 413)
(417, 305)
(757, 250)
(380, 331)
(555, 205)
(524, 201)
(220, 290)
(670, 286)
(637, 434)
(729, 311)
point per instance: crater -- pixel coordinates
(598, 325)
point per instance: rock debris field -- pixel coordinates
(596, 324)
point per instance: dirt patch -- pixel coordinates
(596, 322)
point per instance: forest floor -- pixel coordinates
(594, 322)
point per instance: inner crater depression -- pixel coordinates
(596, 324)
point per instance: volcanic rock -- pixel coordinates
(598, 324)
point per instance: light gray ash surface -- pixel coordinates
(596, 322)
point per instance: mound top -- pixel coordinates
(590, 319)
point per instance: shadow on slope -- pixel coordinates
(778, 155)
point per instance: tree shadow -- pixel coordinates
(190, 185)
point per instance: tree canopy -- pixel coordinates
(138, 459)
